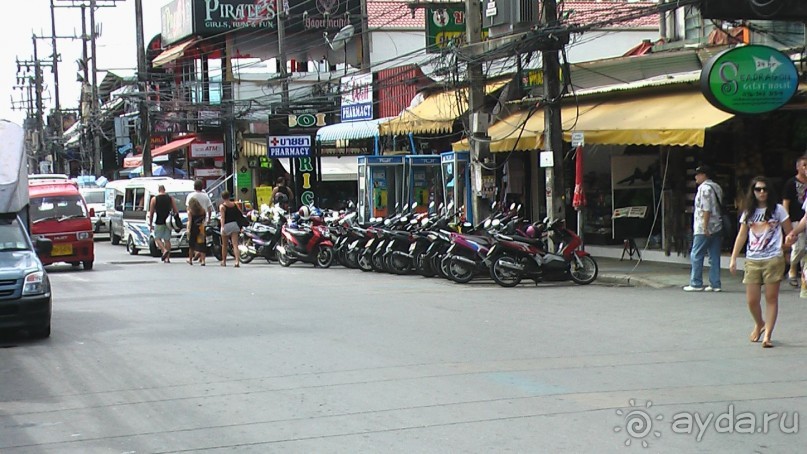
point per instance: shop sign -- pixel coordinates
(176, 21)
(307, 120)
(209, 172)
(243, 179)
(445, 26)
(749, 80)
(305, 169)
(288, 146)
(217, 16)
(207, 150)
(357, 97)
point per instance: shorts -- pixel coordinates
(230, 228)
(162, 232)
(769, 271)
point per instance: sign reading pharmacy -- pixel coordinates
(357, 97)
(749, 80)
(288, 146)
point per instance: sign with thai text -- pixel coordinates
(357, 97)
(288, 146)
(445, 26)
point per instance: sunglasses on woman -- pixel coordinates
(760, 189)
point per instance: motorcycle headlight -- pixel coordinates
(83, 235)
(36, 283)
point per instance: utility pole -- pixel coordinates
(476, 102)
(40, 130)
(281, 50)
(553, 128)
(95, 116)
(365, 38)
(86, 133)
(57, 147)
(142, 77)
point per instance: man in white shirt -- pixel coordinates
(707, 232)
(199, 209)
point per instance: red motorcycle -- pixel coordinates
(308, 241)
(520, 257)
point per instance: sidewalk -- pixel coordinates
(665, 275)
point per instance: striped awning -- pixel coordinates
(352, 130)
(252, 147)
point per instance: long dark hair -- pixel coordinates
(751, 204)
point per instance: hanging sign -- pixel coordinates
(445, 26)
(288, 146)
(749, 80)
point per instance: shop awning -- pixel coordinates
(159, 151)
(173, 53)
(252, 147)
(436, 114)
(677, 119)
(353, 130)
(339, 168)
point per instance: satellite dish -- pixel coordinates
(342, 37)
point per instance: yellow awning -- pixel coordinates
(254, 147)
(436, 114)
(172, 53)
(677, 119)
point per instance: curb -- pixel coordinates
(627, 280)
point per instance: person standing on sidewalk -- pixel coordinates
(792, 200)
(761, 225)
(707, 233)
(229, 214)
(162, 206)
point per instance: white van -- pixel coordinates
(127, 203)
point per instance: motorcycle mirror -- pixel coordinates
(450, 205)
(387, 222)
(467, 224)
(518, 208)
(413, 221)
(424, 222)
(404, 219)
(512, 206)
(496, 223)
(414, 205)
(431, 204)
(487, 223)
(493, 206)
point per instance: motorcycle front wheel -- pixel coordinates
(365, 261)
(504, 276)
(245, 243)
(399, 265)
(283, 257)
(583, 270)
(377, 261)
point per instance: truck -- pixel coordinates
(25, 292)
(59, 213)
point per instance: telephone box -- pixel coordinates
(423, 181)
(381, 186)
(456, 166)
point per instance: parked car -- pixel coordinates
(94, 198)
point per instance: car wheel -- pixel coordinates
(130, 246)
(115, 239)
(87, 265)
(40, 333)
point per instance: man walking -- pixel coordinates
(792, 200)
(162, 206)
(199, 209)
(707, 232)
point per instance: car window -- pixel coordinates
(57, 207)
(93, 196)
(12, 236)
(179, 198)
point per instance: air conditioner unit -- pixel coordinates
(505, 17)
(795, 10)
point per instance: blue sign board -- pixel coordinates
(288, 146)
(356, 112)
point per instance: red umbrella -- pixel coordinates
(579, 199)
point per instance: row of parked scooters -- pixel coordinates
(504, 246)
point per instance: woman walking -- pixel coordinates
(229, 215)
(761, 224)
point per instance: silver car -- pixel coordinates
(95, 202)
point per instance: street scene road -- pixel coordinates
(148, 357)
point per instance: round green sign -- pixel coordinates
(749, 80)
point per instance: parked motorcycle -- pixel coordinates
(309, 241)
(521, 257)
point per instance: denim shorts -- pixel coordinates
(230, 228)
(162, 232)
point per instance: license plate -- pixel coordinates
(62, 249)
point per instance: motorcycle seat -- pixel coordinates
(528, 240)
(478, 239)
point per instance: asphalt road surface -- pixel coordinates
(148, 357)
